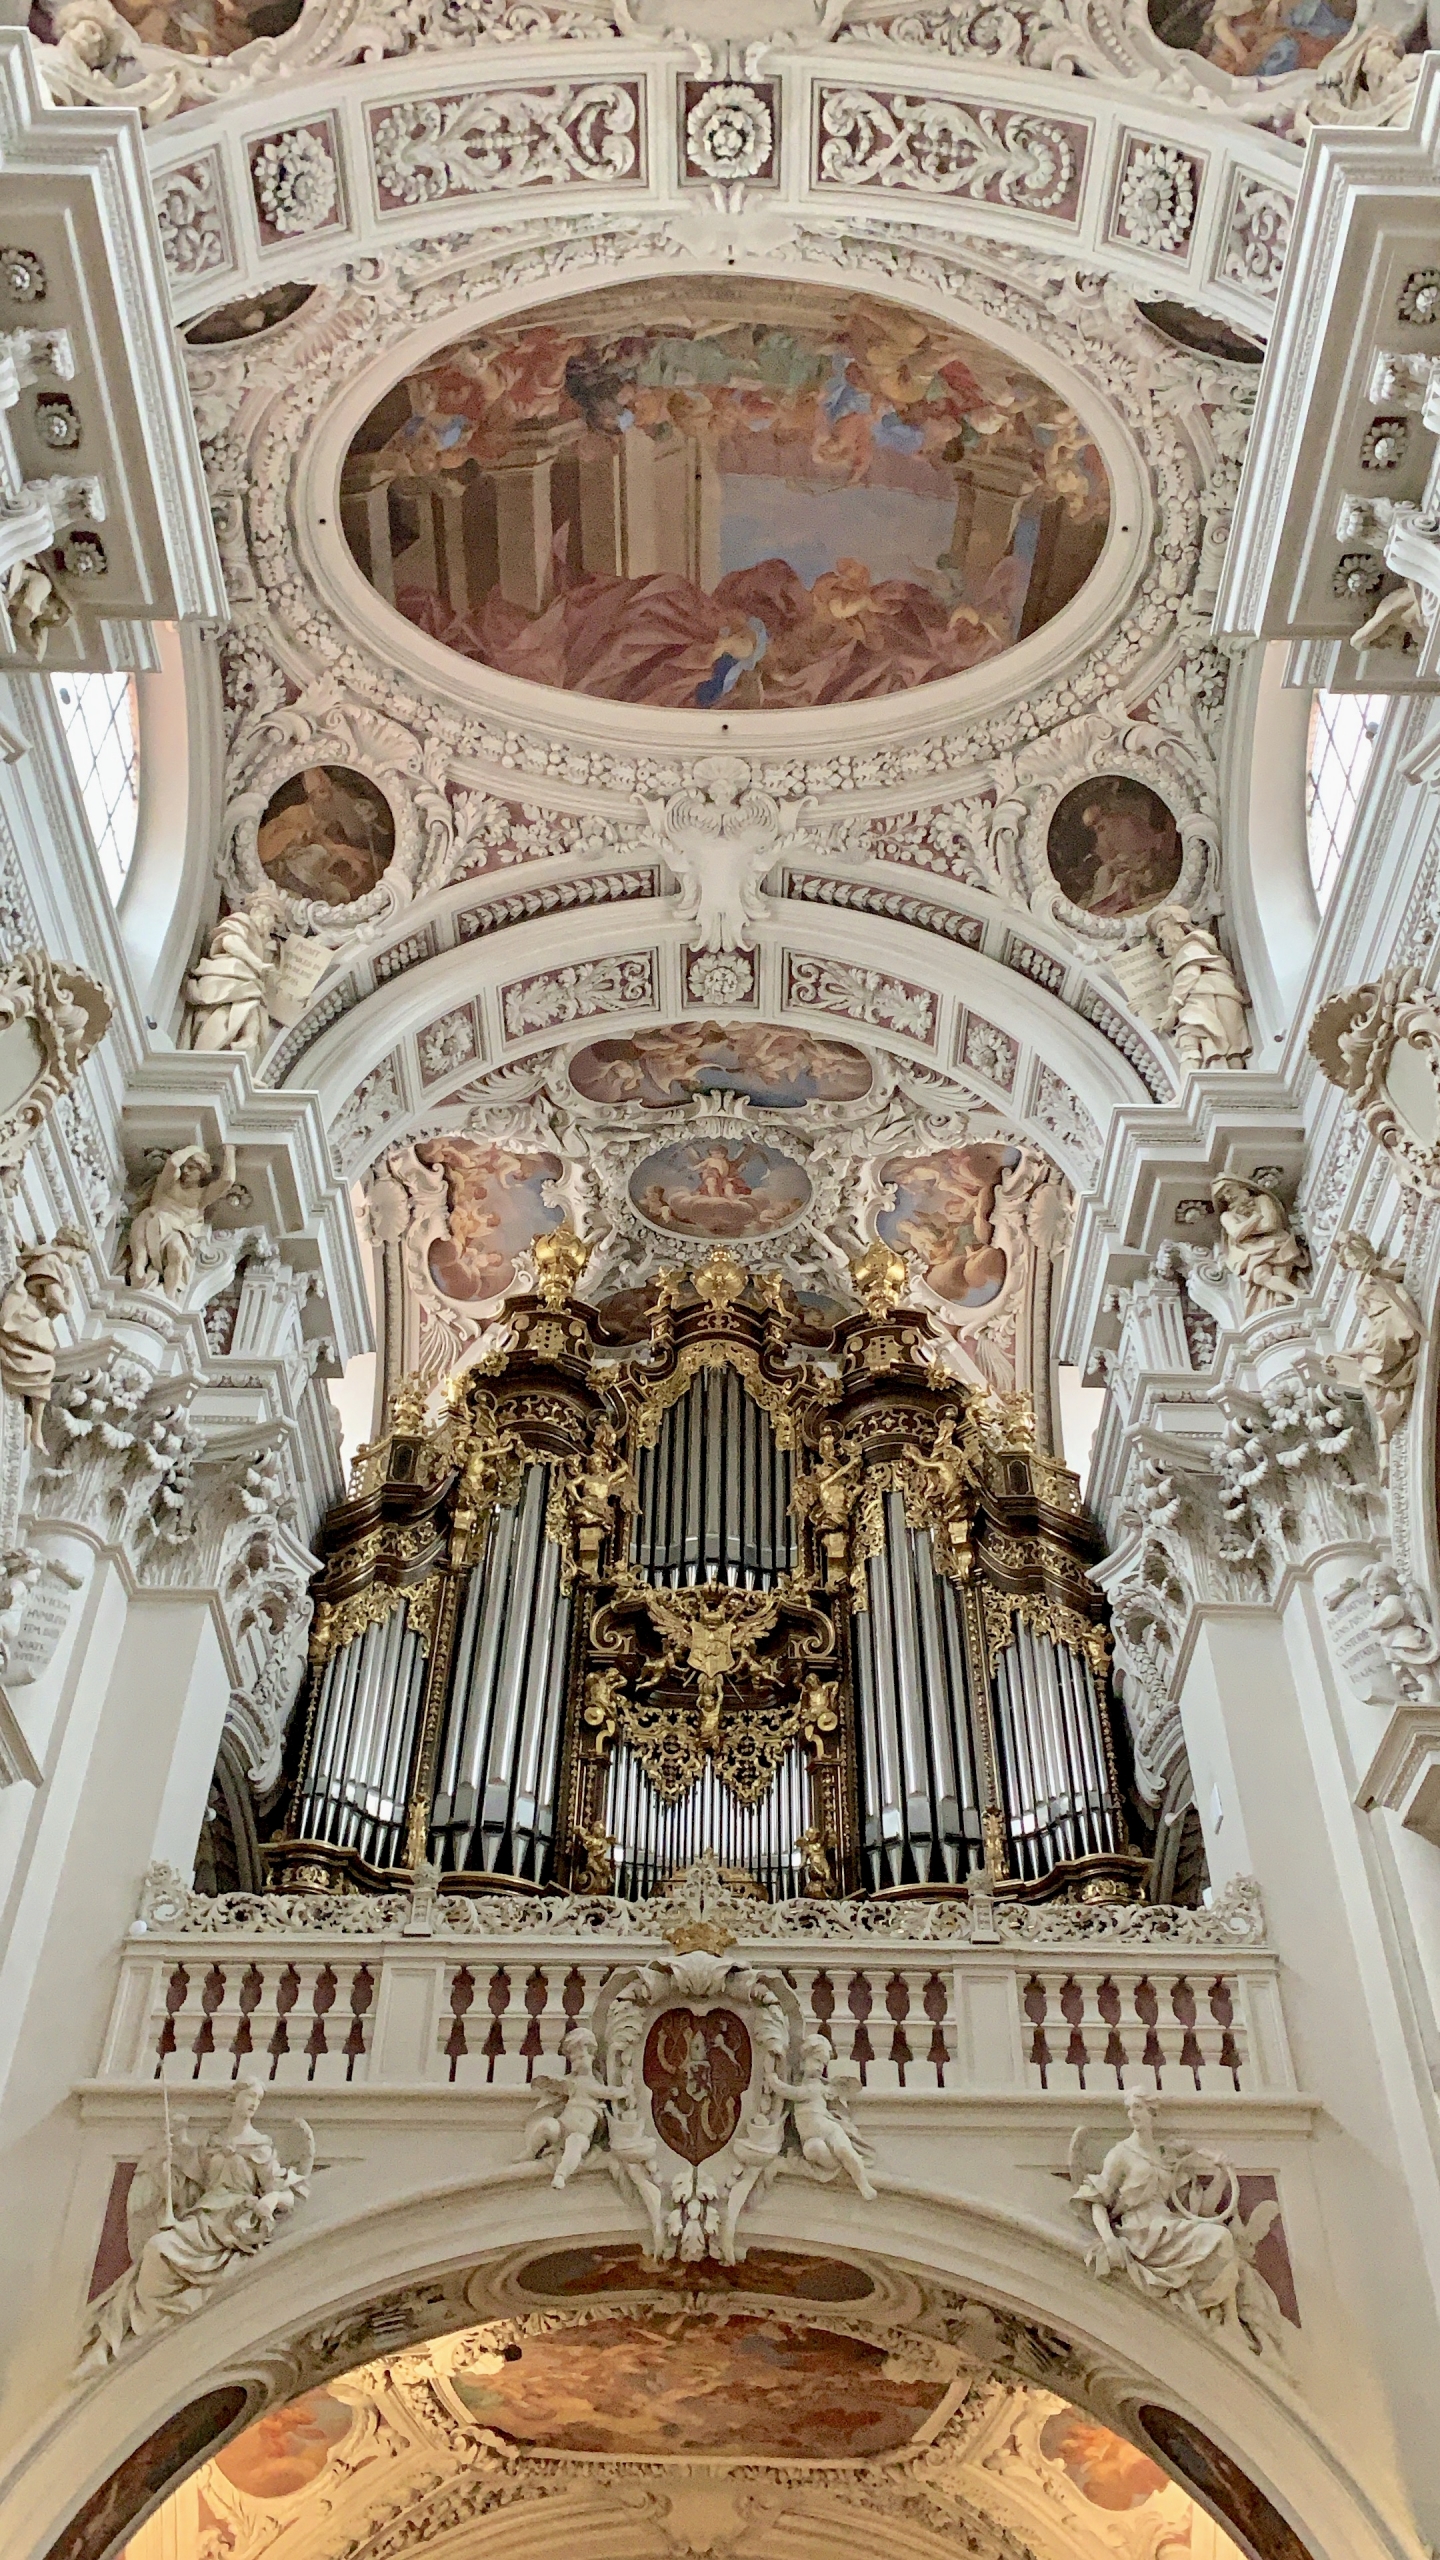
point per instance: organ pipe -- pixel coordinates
(790, 1598)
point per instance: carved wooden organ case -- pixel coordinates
(808, 1603)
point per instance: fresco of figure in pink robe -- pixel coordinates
(944, 1212)
(327, 833)
(719, 1187)
(725, 494)
(496, 1212)
(774, 1068)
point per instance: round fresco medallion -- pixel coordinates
(235, 322)
(1258, 43)
(725, 494)
(719, 1187)
(287, 2448)
(327, 833)
(1113, 846)
(944, 1212)
(775, 1068)
(697, 2070)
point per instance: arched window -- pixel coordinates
(1343, 730)
(102, 733)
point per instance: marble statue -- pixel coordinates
(820, 2106)
(1392, 1331)
(36, 606)
(1206, 1011)
(38, 1294)
(571, 2106)
(1261, 1248)
(167, 1228)
(199, 2205)
(1168, 2216)
(226, 992)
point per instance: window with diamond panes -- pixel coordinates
(1343, 730)
(98, 714)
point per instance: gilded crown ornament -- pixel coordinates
(560, 1258)
(880, 1277)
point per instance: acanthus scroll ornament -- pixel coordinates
(51, 1017)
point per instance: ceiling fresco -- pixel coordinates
(775, 1068)
(719, 1188)
(792, 1151)
(735, 494)
(700, 2384)
(1259, 39)
(749, 2387)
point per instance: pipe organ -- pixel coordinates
(796, 1598)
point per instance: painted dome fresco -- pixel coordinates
(721, 494)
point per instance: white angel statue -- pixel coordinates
(198, 2205)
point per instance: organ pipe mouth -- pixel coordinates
(825, 1616)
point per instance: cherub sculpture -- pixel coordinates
(819, 2102)
(571, 2107)
(166, 1230)
(199, 2204)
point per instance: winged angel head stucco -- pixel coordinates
(711, 493)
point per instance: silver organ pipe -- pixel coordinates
(714, 1492)
(920, 1816)
(494, 1802)
(1059, 1802)
(366, 1716)
(653, 1837)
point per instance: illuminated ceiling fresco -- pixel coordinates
(765, 496)
(682, 2405)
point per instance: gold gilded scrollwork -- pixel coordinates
(719, 1280)
(779, 1401)
(939, 1485)
(338, 1622)
(1044, 1616)
(424, 1600)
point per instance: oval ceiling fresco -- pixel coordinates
(725, 494)
(719, 1187)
